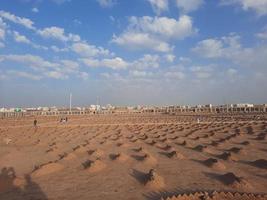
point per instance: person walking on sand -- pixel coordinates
(35, 122)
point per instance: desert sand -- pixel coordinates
(135, 156)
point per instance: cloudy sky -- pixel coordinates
(127, 52)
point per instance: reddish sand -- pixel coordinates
(133, 156)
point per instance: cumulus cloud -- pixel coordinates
(22, 74)
(140, 74)
(61, 69)
(2, 29)
(164, 27)
(209, 48)
(154, 32)
(107, 3)
(20, 38)
(175, 75)
(116, 63)
(202, 72)
(187, 6)
(219, 47)
(18, 20)
(231, 49)
(57, 49)
(86, 50)
(147, 61)
(59, 34)
(170, 57)
(159, 5)
(258, 6)
(2, 45)
(35, 10)
(141, 41)
(33, 61)
(262, 35)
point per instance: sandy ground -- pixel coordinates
(131, 156)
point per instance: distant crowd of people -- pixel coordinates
(63, 120)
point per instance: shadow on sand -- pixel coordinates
(13, 187)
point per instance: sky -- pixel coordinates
(132, 52)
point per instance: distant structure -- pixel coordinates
(70, 101)
(109, 109)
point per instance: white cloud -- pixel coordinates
(231, 72)
(57, 49)
(170, 57)
(24, 75)
(147, 61)
(184, 59)
(223, 47)
(56, 75)
(20, 38)
(36, 62)
(263, 34)
(18, 20)
(83, 75)
(164, 27)
(35, 10)
(140, 74)
(174, 75)
(23, 39)
(86, 50)
(116, 63)
(159, 5)
(59, 34)
(153, 33)
(258, 6)
(60, 1)
(107, 3)
(209, 48)
(189, 5)
(2, 29)
(202, 72)
(141, 41)
(2, 45)
(69, 66)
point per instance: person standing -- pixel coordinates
(35, 122)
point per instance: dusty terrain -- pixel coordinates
(132, 156)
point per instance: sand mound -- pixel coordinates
(173, 137)
(226, 156)
(199, 148)
(244, 143)
(231, 180)
(234, 150)
(140, 156)
(47, 169)
(163, 146)
(150, 142)
(151, 179)
(93, 165)
(261, 163)
(173, 154)
(114, 156)
(181, 142)
(96, 152)
(70, 156)
(137, 149)
(217, 196)
(213, 163)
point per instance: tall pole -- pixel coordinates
(70, 101)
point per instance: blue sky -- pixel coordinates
(142, 52)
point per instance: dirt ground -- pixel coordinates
(138, 156)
